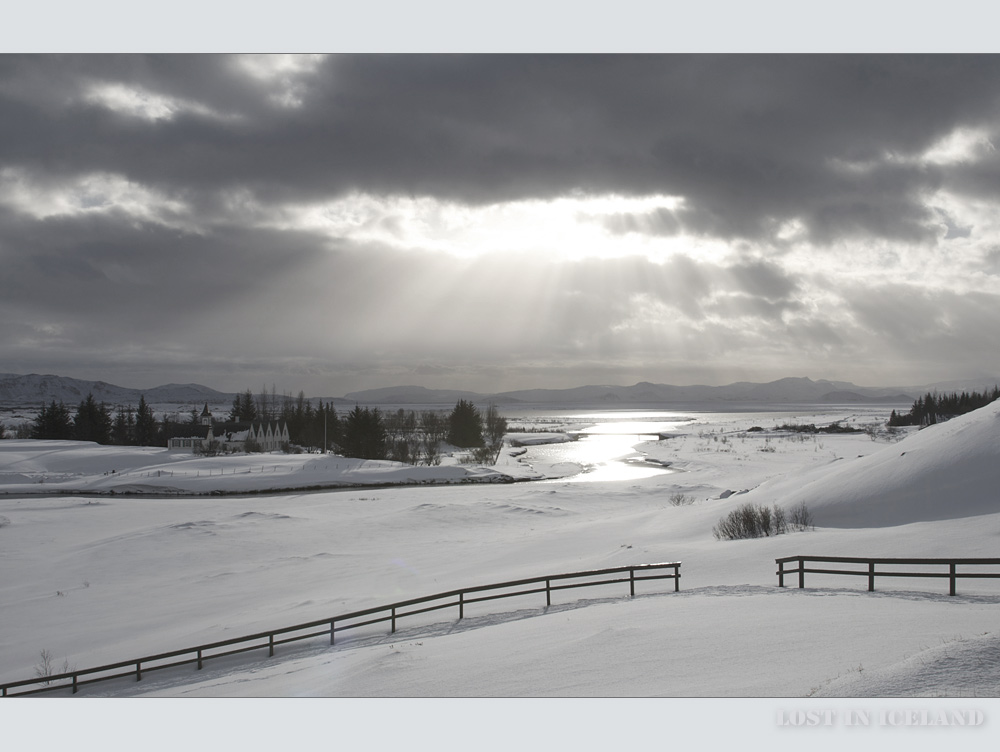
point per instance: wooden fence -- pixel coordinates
(871, 572)
(329, 627)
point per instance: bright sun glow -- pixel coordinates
(566, 228)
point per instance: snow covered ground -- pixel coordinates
(99, 578)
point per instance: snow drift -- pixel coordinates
(946, 471)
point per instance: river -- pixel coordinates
(606, 440)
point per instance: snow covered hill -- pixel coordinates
(946, 471)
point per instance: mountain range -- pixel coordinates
(787, 390)
(35, 389)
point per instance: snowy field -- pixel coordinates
(91, 578)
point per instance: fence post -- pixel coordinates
(631, 582)
(461, 605)
(199, 659)
(393, 620)
(871, 576)
(781, 574)
(270, 645)
(74, 683)
(548, 593)
(951, 578)
(332, 630)
(802, 572)
(677, 578)
(138, 671)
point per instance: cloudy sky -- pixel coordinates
(499, 222)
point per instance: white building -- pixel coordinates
(231, 437)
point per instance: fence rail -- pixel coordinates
(871, 573)
(329, 627)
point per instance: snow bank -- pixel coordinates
(946, 471)
(46, 467)
(537, 439)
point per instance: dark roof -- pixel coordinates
(244, 425)
(185, 431)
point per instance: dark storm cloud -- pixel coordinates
(746, 139)
(111, 279)
(190, 248)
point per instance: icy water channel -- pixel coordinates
(605, 445)
(607, 440)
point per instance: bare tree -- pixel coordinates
(495, 427)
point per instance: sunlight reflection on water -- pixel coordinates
(606, 450)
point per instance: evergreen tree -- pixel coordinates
(244, 408)
(930, 411)
(92, 421)
(145, 424)
(53, 422)
(465, 425)
(364, 434)
(123, 427)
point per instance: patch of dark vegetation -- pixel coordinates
(931, 408)
(758, 521)
(835, 427)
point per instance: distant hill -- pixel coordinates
(787, 390)
(35, 389)
(412, 395)
(847, 398)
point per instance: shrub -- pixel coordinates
(758, 521)
(801, 518)
(483, 455)
(45, 668)
(751, 521)
(680, 500)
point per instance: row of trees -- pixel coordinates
(365, 433)
(94, 421)
(931, 408)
